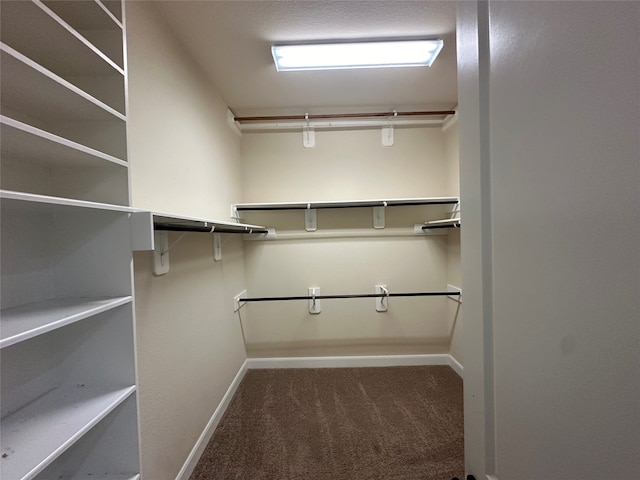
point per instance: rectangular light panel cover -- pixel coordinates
(331, 56)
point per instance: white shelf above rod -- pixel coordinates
(446, 223)
(393, 202)
(151, 230)
(378, 206)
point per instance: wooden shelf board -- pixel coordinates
(28, 321)
(38, 433)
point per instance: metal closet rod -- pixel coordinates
(361, 295)
(172, 227)
(322, 116)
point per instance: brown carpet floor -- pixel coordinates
(396, 423)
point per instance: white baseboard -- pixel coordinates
(456, 365)
(207, 433)
(306, 362)
(356, 361)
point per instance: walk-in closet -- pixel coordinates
(215, 268)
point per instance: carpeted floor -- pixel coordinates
(396, 423)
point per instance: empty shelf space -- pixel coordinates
(87, 15)
(26, 143)
(36, 31)
(38, 93)
(95, 23)
(114, 6)
(35, 435)
(97, 456)
(33, 95)
(27, 321)
(41, 163)
(348, 203)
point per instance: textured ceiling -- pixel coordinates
(231, 40)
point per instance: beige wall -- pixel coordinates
(344, 165)
(184, 160)
(348, 164)
(183, 153)
(347, 326)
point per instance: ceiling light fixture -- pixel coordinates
(332, 56)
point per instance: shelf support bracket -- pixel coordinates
(308, 134)
(310, 219)
(161, 253)
(388, 137)
(314, 303)
(379, 216)
(382, 303)
(234, 213)
(217, 247)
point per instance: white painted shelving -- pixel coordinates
(36, 31)
(310, 208)
(27, 321)
(37, 434)
(68, 383)
(381, 202)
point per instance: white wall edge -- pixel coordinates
(450, 121)
(231, 121)
(492, 477)
(198, 449)
(456, 365)
(355, 361)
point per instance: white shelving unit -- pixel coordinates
(68, 379)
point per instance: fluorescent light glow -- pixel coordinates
(410, 53)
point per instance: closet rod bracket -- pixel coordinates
(160, 252)
(310, 219)
(379, 215)
(314, 302)
(382, 301)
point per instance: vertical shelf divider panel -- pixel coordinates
(68, 382)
